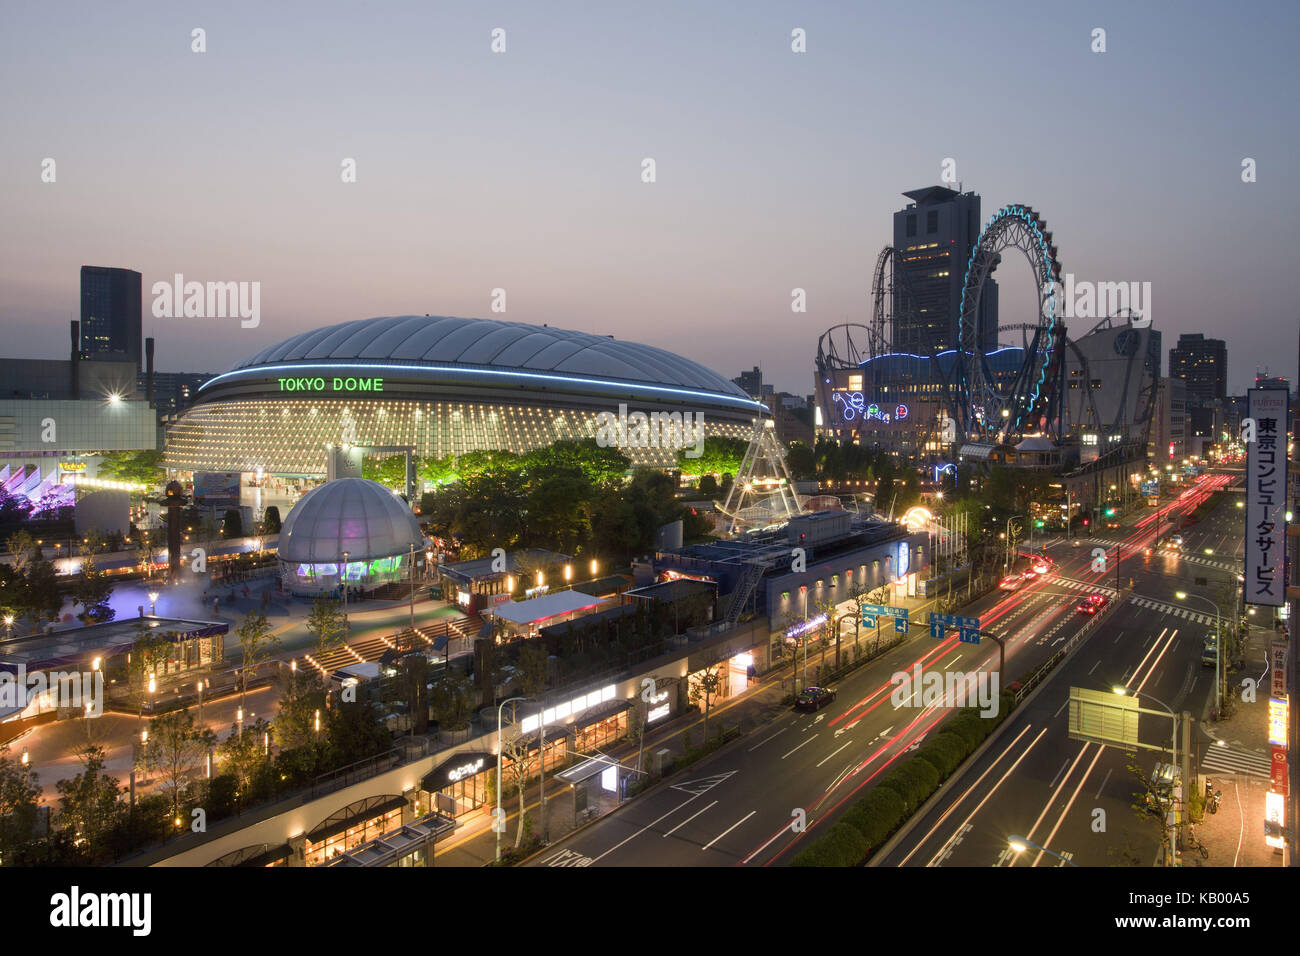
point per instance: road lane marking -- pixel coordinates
(761, 742)
(689, 819)
(846, 743)
(1052, 785)
(1103, 783)
(809, 740)
(728, 830)
(720, 779)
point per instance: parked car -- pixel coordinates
(814, 698)
(1091, 604)
(1210, 650)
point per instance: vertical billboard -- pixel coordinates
(1266, 465)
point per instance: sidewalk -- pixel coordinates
(474, 844)
(1235, 835)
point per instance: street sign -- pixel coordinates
(969, 636)
(1103, 717)
(968, 627)
(900, 625)
(868, 620)
(872, 612)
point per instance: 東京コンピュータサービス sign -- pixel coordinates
(1266, 465)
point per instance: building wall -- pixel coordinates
(289, 437)
(79, 428)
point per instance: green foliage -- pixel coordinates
(388, 470)
(232, 525)
(20, 797)
(90, 806)
(175, 748)
(801, 460)
(708, 485)
(842, 845)
(302, 697)
(271, 520)
(257, 643)
(719, 456)
(876, 815)
(143, 467)
(943, 753)
(452, 701)
(325, 623)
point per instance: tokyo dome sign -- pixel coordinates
(336, 384)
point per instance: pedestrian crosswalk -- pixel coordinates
(1176, 610)
(1210, 563)
(1233, 760)
(1074, 585)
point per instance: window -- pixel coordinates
(932, 221)
(911, 226)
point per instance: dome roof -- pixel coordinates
(355, 515)
(487, 343)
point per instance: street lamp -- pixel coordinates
(1173, 757)
(1019, 844)
(153, 603)
(343, 583)
(1218, 642)
(499, 816)
(9, 626)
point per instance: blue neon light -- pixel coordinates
(747, 403)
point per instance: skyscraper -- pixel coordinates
(935, 234)
(1203, 364)
(110, 314)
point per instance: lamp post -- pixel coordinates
(343, 582)
(499, 816)
(153, 603)
(1218, 643)
(412, 569)
(1019, 844)
(1173, 758)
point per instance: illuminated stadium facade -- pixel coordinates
(442, 386)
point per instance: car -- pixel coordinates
(1176, 541)
(1010, 582)
(1041, 567)
(814, 698)
(1091, 604)
(1028, 574)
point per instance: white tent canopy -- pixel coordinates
(547, 606)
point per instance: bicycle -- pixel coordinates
(1195, 844)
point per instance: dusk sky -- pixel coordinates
(522, 170)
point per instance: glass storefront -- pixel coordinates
(349, 838)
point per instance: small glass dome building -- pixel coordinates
(354, 515)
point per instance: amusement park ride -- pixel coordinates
(983, 400)
(971, 398)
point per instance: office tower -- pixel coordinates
(751, 382)
(110, 315)
(1203, 365)
(935, 234)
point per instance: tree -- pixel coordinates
(142, 467)
(92, 591)
(438, 471)
(40, 596)
(354, 731)
(271, 520)
(534, 664)
(232, 525)
(257, 643)
(709, 485)
(325, 623)
(520, 756)
(244, 755)
(175, 749)
(20, 797)
(704, 686)
(149, 650)
(20, 545)
(452, 701)
(388, 470)
(90, 806)
(302, 699)
(801, 460)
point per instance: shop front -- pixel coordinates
(460, 784)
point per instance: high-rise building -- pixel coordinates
(110, 315)
(1202, 364)
(751, 382)
(1168, 442)
(935, 234)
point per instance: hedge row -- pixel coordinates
(874, 818)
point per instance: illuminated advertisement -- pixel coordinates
(853, 405)
(1266, 461)
(216, 486)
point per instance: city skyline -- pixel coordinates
(525, 172)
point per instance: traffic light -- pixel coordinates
(1039, 523)
(1085, 522)
(1110, 512)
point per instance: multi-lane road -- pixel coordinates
(756, 802)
